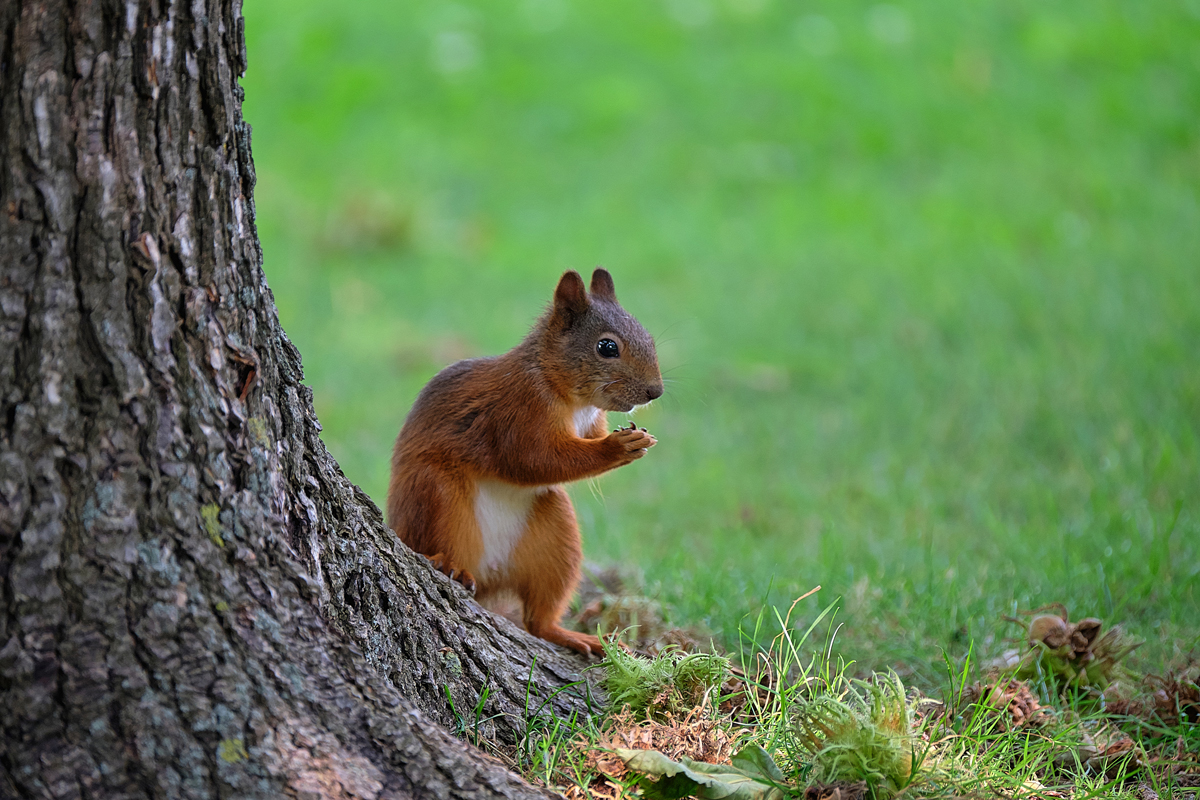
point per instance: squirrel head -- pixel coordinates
(609, 358)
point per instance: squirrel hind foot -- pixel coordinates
(580, 642)
(444, 565)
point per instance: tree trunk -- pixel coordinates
(196, 602)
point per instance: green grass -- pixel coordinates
(925, 279)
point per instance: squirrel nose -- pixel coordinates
(654, 392)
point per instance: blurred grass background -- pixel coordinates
(925, 278)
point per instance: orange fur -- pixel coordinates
(477, 466)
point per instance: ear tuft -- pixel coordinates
(602, 285)
(570, 298)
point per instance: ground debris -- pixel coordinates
(1011, 702)
(878, 722)
(744, 695)
(1103, 751)
(838, 790)
(1173, 697)
(698, 735)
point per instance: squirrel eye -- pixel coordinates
(608, 348)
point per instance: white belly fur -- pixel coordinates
(502, 509)
(583, 419)
(502, 512)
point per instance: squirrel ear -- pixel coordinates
(570, 298)
(602, 285)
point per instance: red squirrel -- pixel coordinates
(477, 467)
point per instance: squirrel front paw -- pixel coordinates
(445, 566)
(634, 441)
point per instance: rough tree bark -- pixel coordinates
(195, 602)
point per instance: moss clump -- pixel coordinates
(670, 682)
(863, 735)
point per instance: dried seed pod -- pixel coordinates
(1049, 629)
(1088, 628)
